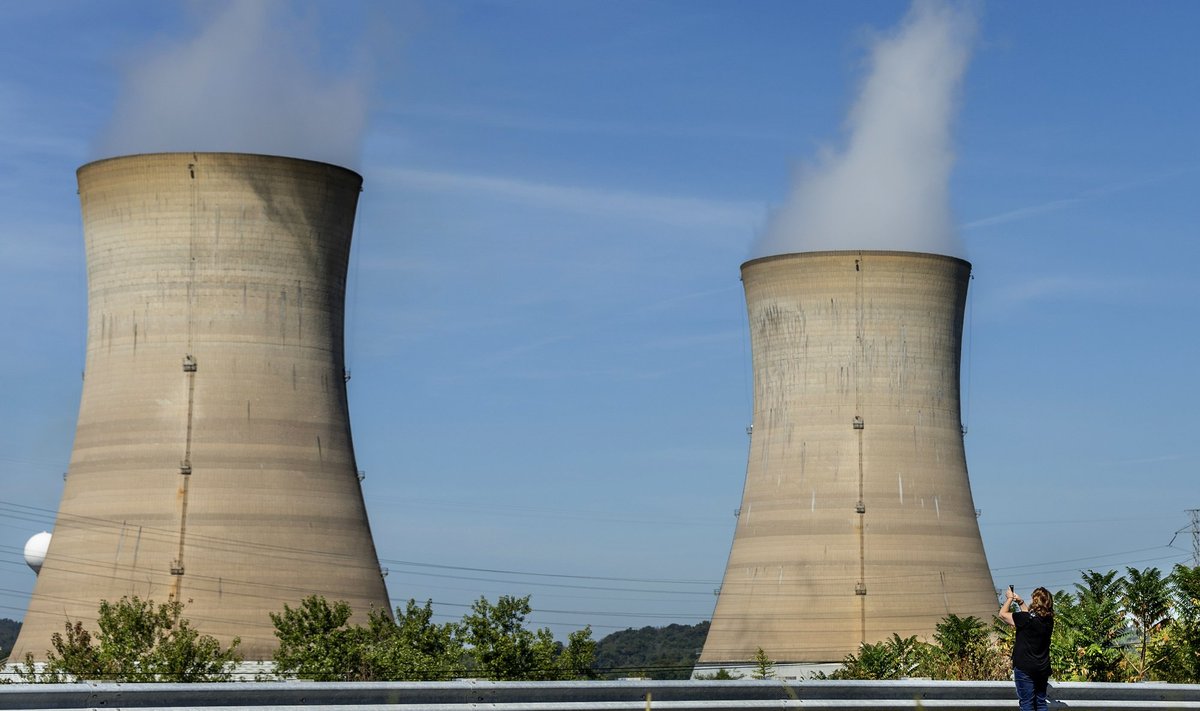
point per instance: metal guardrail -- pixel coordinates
(586, 696)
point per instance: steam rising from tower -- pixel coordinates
(213, 461)
(247, 81)
(888, 187)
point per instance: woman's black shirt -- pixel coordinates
(1031, 651)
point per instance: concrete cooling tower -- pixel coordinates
(212, 461)
(856, 520)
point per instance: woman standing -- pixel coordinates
(1031, 651)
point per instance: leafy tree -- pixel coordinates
(138, 641)
(1147, 600)
(1065, 646)
(964, 650)
(500, 645)
(1004, 636)
(578, 659)
(764, 668)
(1091, 640)
(413, 647)
(1181, 645)
(503, 649)
(187, 655)
(316, 642)
(874, 661)
(890, 659)
(74, 657)
(1098, 625)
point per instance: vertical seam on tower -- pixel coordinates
(860, 589)
(185, 469)
(189, 371)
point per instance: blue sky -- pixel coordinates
(546, 329)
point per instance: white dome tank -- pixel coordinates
(35, 550)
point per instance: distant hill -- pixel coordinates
(657, 652)
(8, 636)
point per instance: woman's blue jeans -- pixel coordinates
(1031, 691)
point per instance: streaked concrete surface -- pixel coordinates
(213, 460)
(856, 520)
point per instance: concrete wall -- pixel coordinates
(213, 460)
(856, 519)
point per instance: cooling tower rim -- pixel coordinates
(849, 252)
(91, 165)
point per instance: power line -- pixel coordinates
(482, 575)
(1076, 560)
(547, 575)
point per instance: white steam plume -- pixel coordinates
(245, 83)
(888, 188)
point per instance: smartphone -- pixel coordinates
(1010, 588)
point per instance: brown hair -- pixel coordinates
(1042, 603)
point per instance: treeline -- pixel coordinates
(490, 642)
(8, 636)
(1141, 626)
(654, 652)
(140, 641)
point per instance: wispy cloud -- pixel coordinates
(677, 211)
(496, 118)
(689, 342)
(1023, 213)
(1083, 198)
(514, 352)
(1061, 287)
(684, 300)
(29, 147)
(692, 341)
(1145, 460)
